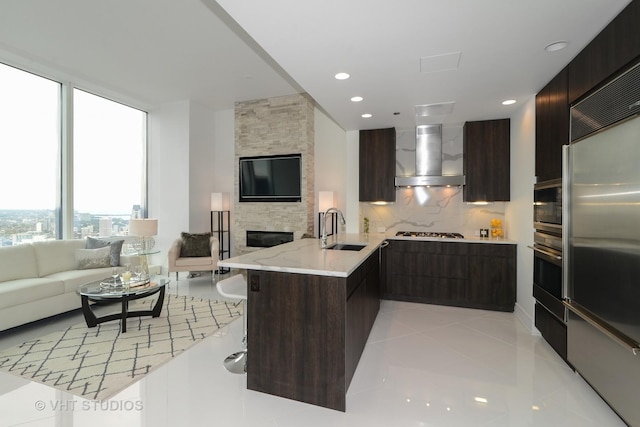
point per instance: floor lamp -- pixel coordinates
(220, 225)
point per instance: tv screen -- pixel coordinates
(270, 178)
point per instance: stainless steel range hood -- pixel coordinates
(429, 161)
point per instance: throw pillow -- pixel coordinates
(93, 258)
(115, 246)
(195, 245)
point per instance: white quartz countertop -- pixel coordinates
(305, 256)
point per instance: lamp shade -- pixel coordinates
(143, 227)
(325, 200)
(220, 201)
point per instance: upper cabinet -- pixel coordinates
(377, 165)
(552, 127)
(608, 53)
(613, 48)
(486, 161)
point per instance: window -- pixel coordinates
(108, 147)
(30, 147)
(109, 168)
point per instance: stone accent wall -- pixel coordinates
(282, 125)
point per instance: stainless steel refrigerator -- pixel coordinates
(602, 243)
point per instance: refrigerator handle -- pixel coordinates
(566, 223)
(619, 338)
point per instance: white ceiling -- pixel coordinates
(149, 52)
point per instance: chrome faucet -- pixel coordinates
(323, 239)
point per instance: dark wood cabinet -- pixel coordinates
(478, 275)
(552, 127)
(430, 272)
(615, 48)
(492, 276)
(307, 333)
(362, 308)
(486, 161)
(553, 330)
(377, 165)
(612, 49)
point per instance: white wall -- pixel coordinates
(201, 155)
(168, 173)
(222, 166)
(190, 156)
(331, 162)
(352, 183)
(519, 212)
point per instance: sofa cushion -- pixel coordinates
(195, 245)
(73, 279)
(57, 255)
(93, 258)
(22, 291)
(194, 261)
(17, 262)
(115, 245)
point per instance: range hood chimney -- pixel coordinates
(429, 161)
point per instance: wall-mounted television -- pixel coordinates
(270, 178)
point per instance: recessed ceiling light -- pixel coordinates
(367, 115)
(555, 46)
(342, 76)
(357, 99)
(509, 102)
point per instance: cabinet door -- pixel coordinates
(378, 165)
(492, 276)
(431, 272)
(486, 161)
(616, 46)
(552, 127)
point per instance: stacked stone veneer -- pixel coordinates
(265, 127)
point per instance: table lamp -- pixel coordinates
(144, 229)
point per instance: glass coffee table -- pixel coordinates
(106, 291)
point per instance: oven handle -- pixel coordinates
(547, 253)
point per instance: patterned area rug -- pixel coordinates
(96, 363)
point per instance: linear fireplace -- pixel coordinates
(266, 239)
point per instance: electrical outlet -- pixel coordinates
(382, 229)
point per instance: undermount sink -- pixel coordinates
(346, 247)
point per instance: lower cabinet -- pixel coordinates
(492, 276)
(306, 333)
(363, 303)
(553, 330)
(475, 275)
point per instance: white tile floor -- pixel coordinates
(423, 365)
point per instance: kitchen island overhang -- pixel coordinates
(309, 312)
(305, 256)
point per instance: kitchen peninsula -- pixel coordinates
(309, 313)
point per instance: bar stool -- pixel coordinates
(235, 287)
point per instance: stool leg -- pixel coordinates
(236, 363)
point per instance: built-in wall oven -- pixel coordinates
(550, 317)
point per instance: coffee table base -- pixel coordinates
(92, 320)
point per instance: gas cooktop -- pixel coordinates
(430, 234)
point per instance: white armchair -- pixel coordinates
(179, 263)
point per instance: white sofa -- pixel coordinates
(39, 280)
